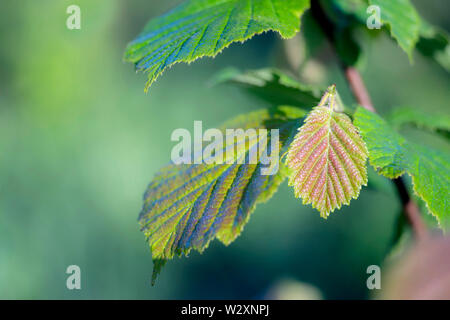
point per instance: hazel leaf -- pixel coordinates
(393, 155)
(187, 205)
(327, 157)
(198, 28)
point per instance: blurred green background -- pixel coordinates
(80, 141)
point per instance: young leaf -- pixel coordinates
(327, 157)
(393, 155)
(200, 28)
(403, 20)
(273, 86)
(188, 205)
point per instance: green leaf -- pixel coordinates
(343, 14)
(188, 205)
(424, 120)
(434, 43)
(158, 264)
(273, 86)
(347, 47)
(312, 35)
(200, 28)
(327, 158)
(387, 157)
(393, 155)
(403, 20)
(339, 11)
(357, 8)
(431, 42)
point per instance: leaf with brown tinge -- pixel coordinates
(327, 157)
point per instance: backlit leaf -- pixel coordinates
(403, 20)
(392, 155)
(327, 157)
(200, 28)
(188, 205)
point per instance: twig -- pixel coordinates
(358, 88)
(410, 209)
(356, 83)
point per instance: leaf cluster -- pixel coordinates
(187, 206)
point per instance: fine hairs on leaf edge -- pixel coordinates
(152, 79)
(284, 35)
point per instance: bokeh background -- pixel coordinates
(80, 141)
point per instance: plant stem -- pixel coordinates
(410, 209)
(359, 90)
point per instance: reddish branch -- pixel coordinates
(410, 209)
(356, 83)
(358, 88)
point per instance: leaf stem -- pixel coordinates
(359, 90)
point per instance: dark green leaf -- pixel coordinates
(433, 43)
(340, 10)
(347, 47)
(273, 86)
(343, 13)
(358, 8)
(424, 120)
(312, 35)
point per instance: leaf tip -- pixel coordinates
(158, 264)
